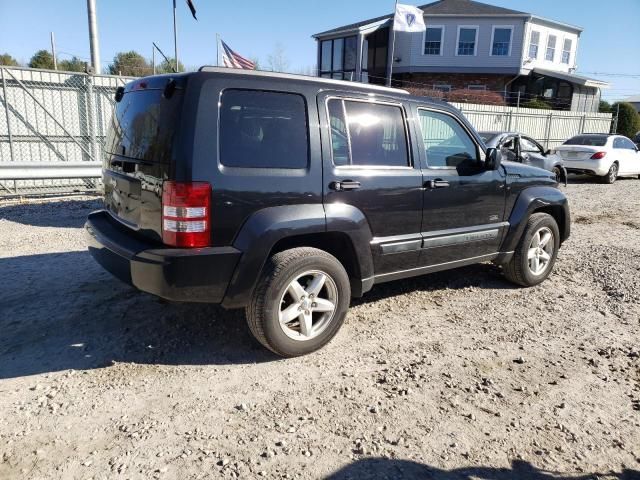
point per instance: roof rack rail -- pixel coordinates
(290, 76)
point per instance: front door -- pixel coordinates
(464, 202)
(369, 170)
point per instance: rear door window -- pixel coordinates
(368, 134)
(261, 129)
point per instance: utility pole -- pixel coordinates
(93, 36)
(53, 51)
(175, 35)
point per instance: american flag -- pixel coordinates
(233, 60)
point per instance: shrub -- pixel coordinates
(425, 92)
(482, 97)
(628, 119)
(537, 103)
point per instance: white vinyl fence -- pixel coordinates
(549, 127)
(53, 127)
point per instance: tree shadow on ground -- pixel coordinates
(380, 468)
(71, 213)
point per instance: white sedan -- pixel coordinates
(604, 155)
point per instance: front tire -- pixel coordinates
(612, 175)
(536, 253)
(557, 171)
(300, 302)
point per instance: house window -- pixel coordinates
(551, 48)
(338, 58)
(467, 40)
(433, 40)
(501, 44)
(534, 43)
(477, 87)
(566, 51)
(442, 88)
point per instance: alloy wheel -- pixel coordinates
(308, 305)
(540, 251)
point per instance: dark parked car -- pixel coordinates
(289, 195)
(521, 148)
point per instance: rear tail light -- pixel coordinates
(186, 209)
(598, 156)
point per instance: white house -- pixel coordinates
(467, 45)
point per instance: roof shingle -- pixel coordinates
(441, 7)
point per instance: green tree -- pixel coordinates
(628, 119)
(41, 59)
(167, 67)
(73, 65)
(605, 107)
(130, 64)
(8, 60)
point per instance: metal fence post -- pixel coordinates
(91, 118)
(583, 122)
(6, 112)
(510, 120)
(547, 139)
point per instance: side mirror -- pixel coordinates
(547, 153)
(494, 158)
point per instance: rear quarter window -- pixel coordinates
(260, 129)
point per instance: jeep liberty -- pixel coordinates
(288, 195)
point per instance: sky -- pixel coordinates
(609, 45)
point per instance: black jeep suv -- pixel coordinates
(288, 195)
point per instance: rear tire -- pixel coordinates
(536, 253)
(300, 302)
(612, 175)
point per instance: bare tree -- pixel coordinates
(277, 60)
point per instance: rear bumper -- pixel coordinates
(181, 275)
(590, 167)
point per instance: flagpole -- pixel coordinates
(175, 35)
(217, 49)
(393, 45)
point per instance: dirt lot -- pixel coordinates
(453, 375)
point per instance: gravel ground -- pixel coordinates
(452, 375)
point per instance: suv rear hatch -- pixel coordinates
(139, 152)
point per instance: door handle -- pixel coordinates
(344, 185)
(437, 183)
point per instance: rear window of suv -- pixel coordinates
(588, 140)
(261, 129)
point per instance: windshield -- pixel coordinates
(488, 136)
(588, 140)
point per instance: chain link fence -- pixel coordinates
(53, 127)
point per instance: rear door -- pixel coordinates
(139, 152)
(369, 164)
(464, 202)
